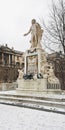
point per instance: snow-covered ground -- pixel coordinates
(18, 118)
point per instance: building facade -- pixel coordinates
(10, 61)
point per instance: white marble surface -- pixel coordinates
(33, 85)
(16, 118)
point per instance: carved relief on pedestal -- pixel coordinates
(44, 68)
(32, 64)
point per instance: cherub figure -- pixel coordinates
(20, 74)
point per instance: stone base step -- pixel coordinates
(47, 103)
(45, 91)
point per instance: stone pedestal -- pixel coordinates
(8, 86)
(36, 64)
(32, 86)
(34, 58)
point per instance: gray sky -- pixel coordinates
(15, 20)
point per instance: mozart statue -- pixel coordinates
(36, 33)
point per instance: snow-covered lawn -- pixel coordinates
(18, 118)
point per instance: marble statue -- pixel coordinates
(47, 71)
(20, 74)
(51, 76)
(36, 33)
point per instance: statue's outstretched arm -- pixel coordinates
(27, 32)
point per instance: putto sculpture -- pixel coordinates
(36, 34)
(20, 76)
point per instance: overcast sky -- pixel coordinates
(15, 20)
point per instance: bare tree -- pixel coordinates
(54, 35)
(53, 38)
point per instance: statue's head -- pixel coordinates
(33, 21)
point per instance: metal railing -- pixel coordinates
(53, 86)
